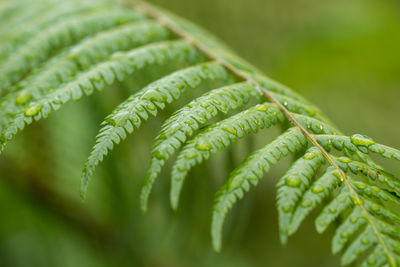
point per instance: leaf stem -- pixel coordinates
(174, 28)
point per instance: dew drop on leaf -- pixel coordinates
(262, 108)
(293, 181)
(344, 160)
(375, 208)
(22, 98)
(317, 189)
(287, 208)
(345, 234)
(365, 241)
(332, 210)
(353, 219)
(309, 155)
(151, 106)
(203, 145)
(231, 130)
(361, 140)
(33, 110)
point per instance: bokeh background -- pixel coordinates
(343, 55)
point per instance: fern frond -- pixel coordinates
(117, 67)
(292, 186)
(332, 211)
(253, 167)
(14, 13)
(60, 35)
(67, 50)
(375, 175)
(218, 136)
(374, 192)
(369, 224)
(319, 191)
(139, 106)
(67, 66)
(357, 142)
(180, 126)
(19, 32)
(186, 121)
(250, 171)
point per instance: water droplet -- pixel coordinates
(230, 129)
(361, 140)
(293, 181)
(203, 145)
(375, 208)
(344, 160)
(22, 98)
(332, 210)
(345, 234)
(262, 108)
(285, 103)
(359, 252)
(353, 219)
(317, 189)
(33, 110)
(309, 155)
(151, 106)
(180, 86)
(287, 208)
(365, 241)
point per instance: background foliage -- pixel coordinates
(342, 55)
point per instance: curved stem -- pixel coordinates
(174, 28)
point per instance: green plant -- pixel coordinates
(74, 49)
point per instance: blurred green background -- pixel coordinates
(343, 55)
